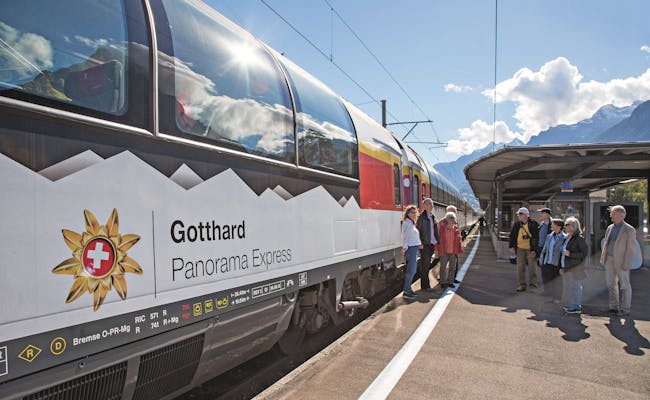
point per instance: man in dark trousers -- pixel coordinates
(524, 239)
(428, 229)
(544, 228)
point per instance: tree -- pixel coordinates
(633, 191)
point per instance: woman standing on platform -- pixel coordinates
(448, 249)
(550, 260)
(574, 252)
(410, 245)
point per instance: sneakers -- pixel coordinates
(456, 281)
(574, 310)
(532, 286)
(612, 311)
(410, 296)
(521, 288)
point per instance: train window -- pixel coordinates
(219, 84)
(423, 193)
(396, 185)
(68, 51)
(326, 136)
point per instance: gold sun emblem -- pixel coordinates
(99, 259)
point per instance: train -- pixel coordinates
(178, 197)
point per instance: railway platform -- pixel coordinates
(483, 340)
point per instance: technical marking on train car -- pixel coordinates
(57, 346)
(4, 361)
(29, 353)
(302, 279)
(384, 383)
(268, 289)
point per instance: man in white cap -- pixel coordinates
(524, 238)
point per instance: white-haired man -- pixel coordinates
(616, 256)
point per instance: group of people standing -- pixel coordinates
(560, 249)
(422, 234)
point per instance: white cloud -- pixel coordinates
(645, 49)
(451, 87)
(556, 94)
(29, 53)
(479, 135)
(246, 121)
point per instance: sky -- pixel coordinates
(557, 61)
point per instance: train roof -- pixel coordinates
(371, 133)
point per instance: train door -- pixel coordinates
(416, 188)
(407, 180)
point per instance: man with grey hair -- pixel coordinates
(428, 229)
(616, 257)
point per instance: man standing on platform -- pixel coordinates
(616, 257)
(429, 237)
(544, 228)
(523, 242)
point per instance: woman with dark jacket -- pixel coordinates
(550, 260)
(574, 253)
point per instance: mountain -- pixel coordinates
(454, 170)
(608, 124)
(585, 131)
(635, 128)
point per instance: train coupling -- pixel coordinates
(360, 302)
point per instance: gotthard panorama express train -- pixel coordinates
(178, 198)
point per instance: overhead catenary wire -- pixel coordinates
(494, 96)
(322, 53)
(381, 64)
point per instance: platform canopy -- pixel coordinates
(534, 173)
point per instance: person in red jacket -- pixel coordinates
(448, 249)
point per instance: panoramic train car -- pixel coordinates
(379, 164)
(178, 198)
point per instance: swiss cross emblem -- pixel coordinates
(99, 260)
(98, 257)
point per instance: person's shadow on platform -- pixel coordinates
(627, 333)
(571, 325)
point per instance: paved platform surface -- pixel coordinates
(491, 343)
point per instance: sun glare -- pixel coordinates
(244, 54)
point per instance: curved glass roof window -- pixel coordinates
(72, 52)
(326, 135)
(218, 83)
